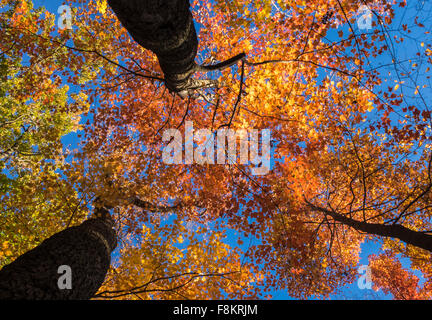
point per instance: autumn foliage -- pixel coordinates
(349, 115)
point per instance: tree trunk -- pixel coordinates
(166, 28)
(86, 249)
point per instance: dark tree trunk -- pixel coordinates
(166, 28)
(86, 249)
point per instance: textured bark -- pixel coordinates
(85, 248)
(397, 231)
(166, 28)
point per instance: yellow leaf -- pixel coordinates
(180, 239)
(102, 6)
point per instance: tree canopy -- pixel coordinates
(348, 111)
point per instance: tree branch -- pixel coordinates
(415, 238)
